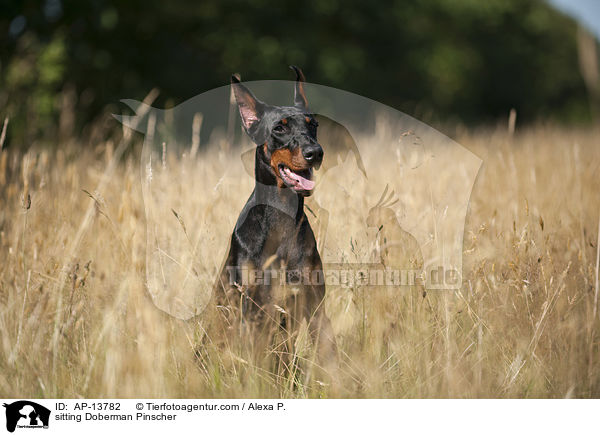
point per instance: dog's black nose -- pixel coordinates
(313, 153)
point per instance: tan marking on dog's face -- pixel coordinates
(284, 121)
(292, 159)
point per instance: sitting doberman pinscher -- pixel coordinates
(273, 276)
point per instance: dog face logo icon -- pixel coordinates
(26, 414)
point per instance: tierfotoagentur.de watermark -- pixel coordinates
(388, 207)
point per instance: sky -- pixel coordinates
(585, 11)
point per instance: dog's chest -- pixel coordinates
(287, 246)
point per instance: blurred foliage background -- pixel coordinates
(65, 64)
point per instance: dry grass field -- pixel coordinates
(75, 319)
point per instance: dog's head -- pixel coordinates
(287, 135)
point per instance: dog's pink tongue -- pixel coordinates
(303, 183)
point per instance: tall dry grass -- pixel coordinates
(75, 320)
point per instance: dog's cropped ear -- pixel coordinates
(300, 100)
(251, 108)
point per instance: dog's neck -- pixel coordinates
(268, 192)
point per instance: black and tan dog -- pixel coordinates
(273, 277)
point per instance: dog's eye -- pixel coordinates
(280, 128)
